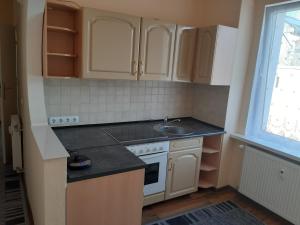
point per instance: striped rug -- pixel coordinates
(12, 200)
(226, 213)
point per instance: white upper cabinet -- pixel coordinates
(156, 50)
(184, 53)
(110, 45)
(117, 46)
(215, 54)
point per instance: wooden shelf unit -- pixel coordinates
(61, 40)
(210, 161)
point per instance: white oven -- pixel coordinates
(155, 155)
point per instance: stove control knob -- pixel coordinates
(148, 150)
(160, 148)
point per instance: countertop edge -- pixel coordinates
(170, 138)
(48, 143)
(110, 173)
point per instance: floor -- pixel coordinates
(204, 198)
(13, 207)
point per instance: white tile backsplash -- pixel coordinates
(210, 104)
(103, 101)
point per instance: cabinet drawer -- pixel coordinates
(186, 144)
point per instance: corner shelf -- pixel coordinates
(61, 40)
(205, 184)
(207, 168)
(61, 29)
(210, 161)
(207, 150)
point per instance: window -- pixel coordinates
(274, 113)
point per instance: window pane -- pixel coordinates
(283, 114)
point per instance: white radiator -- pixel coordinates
(272, 182)
(15, 132)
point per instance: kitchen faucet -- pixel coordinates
(172, 121)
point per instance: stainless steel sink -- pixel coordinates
(172, 129)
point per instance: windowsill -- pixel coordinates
(290, 154)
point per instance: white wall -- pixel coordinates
(250, 24)
(232, 159)
(47, 200)
(221, 12)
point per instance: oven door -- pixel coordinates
(155, 173)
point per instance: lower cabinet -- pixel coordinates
(109, 200)
(183, 171)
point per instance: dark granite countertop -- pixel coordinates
(142, 132)
(74, 138)
(106, 160)
(105, 144)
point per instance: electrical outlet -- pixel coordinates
(63, 120)
(53, 120)
(74, 119)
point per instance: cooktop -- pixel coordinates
(134, 132)
(74, 138)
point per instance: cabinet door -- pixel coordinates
(183, 172)
(110, 45)
(205, 55)
(110, 200)
(157, 49)
(184, 53)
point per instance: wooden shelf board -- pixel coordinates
(61, 29)
(53, 76)
(205, 184)
(55, 5)
(61, 54)
(207, 168)
(210, 150)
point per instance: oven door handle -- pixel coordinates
(153, 155)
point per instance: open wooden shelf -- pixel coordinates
(210, 161)
(61, 54)
(207, 168)
(61, 40)
(61, 29)
(207, 150)
(205, 184)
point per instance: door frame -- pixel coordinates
(2, 111)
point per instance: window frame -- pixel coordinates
(262, 86)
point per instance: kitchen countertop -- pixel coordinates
(143, 132)
(105, 144)
(106, 160)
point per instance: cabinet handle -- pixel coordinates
(134, 68)
(141, 67)
(170, 164)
